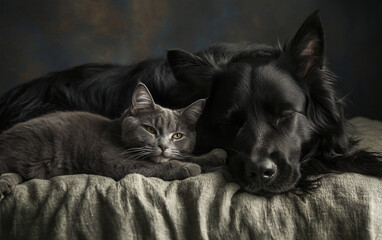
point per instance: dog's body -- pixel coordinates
(274, 109)
(106, 89)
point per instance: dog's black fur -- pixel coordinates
(273, 108)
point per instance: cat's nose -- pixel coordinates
(163, 147)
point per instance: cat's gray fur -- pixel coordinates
(79, 142)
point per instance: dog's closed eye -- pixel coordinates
(284, 116)
(287, 113)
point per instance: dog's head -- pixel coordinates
(268, 106)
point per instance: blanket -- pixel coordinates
(208, 206)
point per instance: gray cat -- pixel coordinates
(147, 139)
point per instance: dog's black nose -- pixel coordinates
(267, 169)
(264, 170)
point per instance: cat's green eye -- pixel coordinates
(177, 136)
(150, 129)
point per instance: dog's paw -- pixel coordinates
(5, 189)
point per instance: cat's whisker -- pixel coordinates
(134, 152)
(139, 156)
(183, 154)
(180, 155)
(137, 150)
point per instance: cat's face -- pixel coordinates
(152, 132)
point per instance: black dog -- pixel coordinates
(273, 108)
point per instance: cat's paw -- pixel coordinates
(7, 182)
(192, 169)
(5, 189)
(182, 170)
(217, 157)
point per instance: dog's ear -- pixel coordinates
(190, 68)
(307, 48)
(324, 108)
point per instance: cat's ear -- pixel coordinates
(193, 111)
(142, 99)
(191, 69)
(307, 48)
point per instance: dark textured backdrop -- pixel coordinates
(40, 36)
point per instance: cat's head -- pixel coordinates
(157, 133)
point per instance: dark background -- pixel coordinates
(40, 36)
